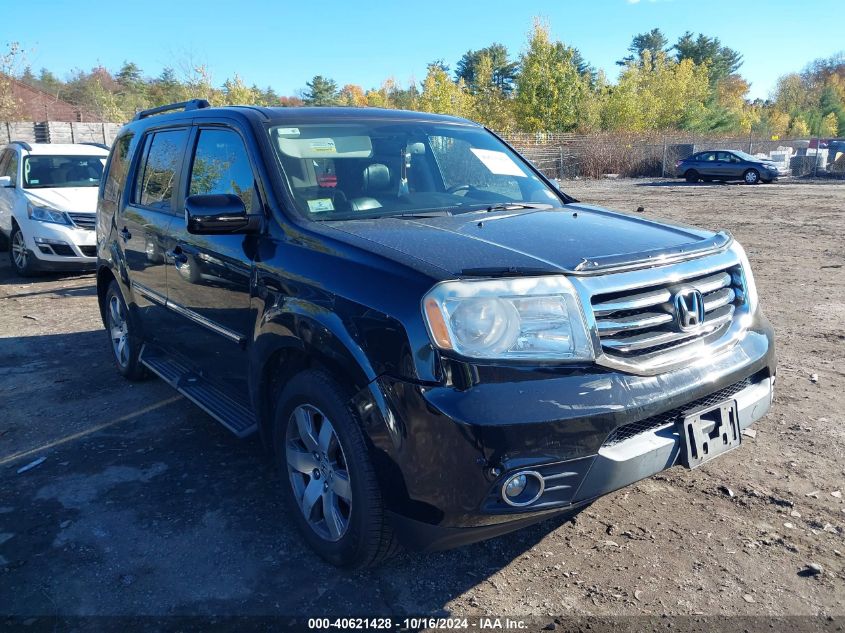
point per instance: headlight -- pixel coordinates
(748, 277)
(531, 318)
(46, 214)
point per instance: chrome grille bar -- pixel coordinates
(639, 323)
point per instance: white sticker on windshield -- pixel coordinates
(498, 162)
(323, 146)
(321, 205)
(288, 131)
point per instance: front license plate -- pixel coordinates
(710, 431)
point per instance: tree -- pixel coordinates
(442, 95)
(549, 90)
(584, 69)
(352, 95)
(290, 102)
(129, 76)
(829, 126)
(722, 61)
(831, 104)
(653, 41)
(10, 60)
(798, 127)
(658, 94)
(48, 82)
(268, 97)
(503, 69)
(320, 91)
(490, 105)
(236, 92)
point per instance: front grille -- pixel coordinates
(84, 220)
(639, 322)
(88, 251)
(674, 416)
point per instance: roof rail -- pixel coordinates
(100, 145)
(193, 104)
(23, 144)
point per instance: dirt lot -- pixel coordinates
(144, 505)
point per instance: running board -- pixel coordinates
(230, 413)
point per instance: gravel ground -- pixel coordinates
(143, 505)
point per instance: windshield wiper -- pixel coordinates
(434, 213)
(512, 206)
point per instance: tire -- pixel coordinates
(339, 464)
(751, 177)
(19, 256)
(124, 335)
(692, 176)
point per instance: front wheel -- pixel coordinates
(19, 255)
(124, 335)
(751, 177)
(692, 176)
(327, 477)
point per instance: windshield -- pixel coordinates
(748, 157)
(378, 169)
(62, 171)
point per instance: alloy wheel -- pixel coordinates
(19, 253)
(318, 472)
(119, 331)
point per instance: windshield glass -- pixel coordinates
(748, 157)
(386, 168)
(62, 171)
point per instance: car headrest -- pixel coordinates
(376, 177)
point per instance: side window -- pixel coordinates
(10, 165)
(117, 169)
(221, 165)
(157, 174)
(725, 157)
(708, 156)
(4, 161)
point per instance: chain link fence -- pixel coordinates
(558, 155)
(568, 156)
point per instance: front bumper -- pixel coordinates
(443, 453)
(58, 247)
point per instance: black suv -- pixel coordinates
(436, 344)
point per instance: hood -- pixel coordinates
(75, 199)
(527, 241)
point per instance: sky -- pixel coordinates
(283, 44)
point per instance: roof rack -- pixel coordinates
(23, 144)
(100, 145)
(193, 104)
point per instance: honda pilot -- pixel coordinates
(434, 342)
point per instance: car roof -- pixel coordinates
(61, 149)
(303, 115)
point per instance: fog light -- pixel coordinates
(516, 485)
(523, 488)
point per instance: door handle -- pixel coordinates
(177, 255)
(125, 234)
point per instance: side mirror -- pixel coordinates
(6, 181)
(219, 214)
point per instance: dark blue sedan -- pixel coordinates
(727, 165)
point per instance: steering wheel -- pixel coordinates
(465, 188)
